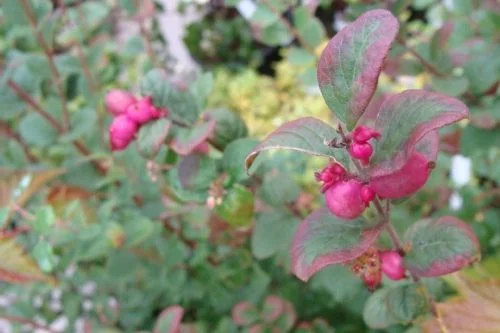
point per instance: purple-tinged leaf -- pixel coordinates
(403, 121)
(440, 247)
(350, 65)
(245, 313)
(308, 135)
(274, 307)
(169, 320)
(413, 175)
(323, 239)
(187, 139)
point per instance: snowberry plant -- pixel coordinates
(371, 167)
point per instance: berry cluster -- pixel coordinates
(360, 148)
(130, 113)
(346, 196)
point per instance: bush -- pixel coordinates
(125, 204)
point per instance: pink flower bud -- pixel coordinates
(362, 134)
(361, 151)
(117, 101)
(122, 132)
(344, 200)
(143, 111)
(331, 174)
(392, 265)
(367, 194)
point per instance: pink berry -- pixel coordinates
(362, 134)
(367, 194)
(117, 101)
(122, 132)
(344, 200)
(405, 181)
(392, 265)
(361, 151)
(143, 111)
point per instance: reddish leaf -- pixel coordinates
(187, 139)
(350, 65)
(274, 306)
(323, 239)
(413, 175)
(439, 247)
(169, 320)
(244, 313)
(308, 135)
(477, 310)
(17, 267)
(403, 121)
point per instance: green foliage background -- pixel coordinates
(113, 248)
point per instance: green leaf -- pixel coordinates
(37, 131)
(309, 27)
(454, 86)
(349, 66)
(45, 257)
(4, 213)
(233, 160)
(339, 282)
(228, 127)
(82, 123)
(201, 88)
(400, 304)
(44, 220)
(482, 72)
(307, 135)
(276, 34)
(263, 16)
(182, 105)
(279, 188)
(323, 239)
(404, 119)
(300, 56)
(273, 233)
(152, 135)
(439, 247)
(237, 206)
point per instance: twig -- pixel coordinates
(8, 132)
(22, 94)
(80, 146)
(145, 35)
(32, 323)
(424, 62)
(28, 11)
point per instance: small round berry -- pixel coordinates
(344, 200)
(117, 101)
(143, 111)
(392, 265)
(121, 132)
(361, 151)
(367, 194)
